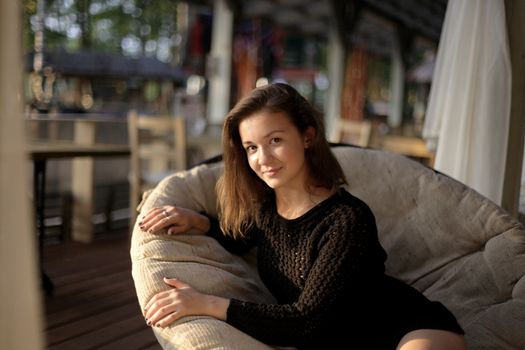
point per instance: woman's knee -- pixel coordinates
(432, 339)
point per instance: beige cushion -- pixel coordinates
(442, 237)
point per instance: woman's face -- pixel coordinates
(275, 149)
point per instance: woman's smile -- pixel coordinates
(271, 172)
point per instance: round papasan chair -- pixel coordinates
(442, 237)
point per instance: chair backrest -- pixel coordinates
(355, 132)
(158, 147)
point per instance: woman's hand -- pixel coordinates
(168, 306)
(175, 219)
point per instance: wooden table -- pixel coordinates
(40, 153)
(45, 150)
(412, 147)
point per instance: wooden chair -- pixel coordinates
(355, 132)
(158, 148)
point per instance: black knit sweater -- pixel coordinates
(326, 271)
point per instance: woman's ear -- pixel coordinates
(309, 136)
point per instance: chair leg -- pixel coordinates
(67, 205)
(110, 205)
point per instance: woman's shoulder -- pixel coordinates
(345, 198)
(348, 222)
(344, 206)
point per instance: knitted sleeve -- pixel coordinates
(349, 255)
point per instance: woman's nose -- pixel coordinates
(264, 155)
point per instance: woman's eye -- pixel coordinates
(275, 140)
(251, 149)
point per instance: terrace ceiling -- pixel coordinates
(374, 22)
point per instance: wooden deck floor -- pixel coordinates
(94, 305)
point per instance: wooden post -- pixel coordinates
(514, 10)
(21, 325)
(82, 184)
(336, 61)
(181, 163)
(134, 178)
(397, 84)
(219, 64)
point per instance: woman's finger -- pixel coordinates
(164, 220)
(176, 229)
(156, 299)
(161, 313)
(158, 219)
(174, 282)
(159, 303)
(150, 215)
(169, 319)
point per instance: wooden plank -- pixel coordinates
(89, 324)
(137, 341)
(57, 254)
(69, 268)
(102, 241)
(82, 311)
(86, 284)
(87, 295)
(92, 272)
(153, 347)
(96, 260)
(103, 334)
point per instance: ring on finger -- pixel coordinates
(165, 214)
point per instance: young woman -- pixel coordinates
(317, 245)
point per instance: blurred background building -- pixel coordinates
(106, 57)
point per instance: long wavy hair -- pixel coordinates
(240, 191)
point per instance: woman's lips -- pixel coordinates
(271, 172)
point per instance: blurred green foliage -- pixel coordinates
(130, 27)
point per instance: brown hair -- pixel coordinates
(240, 190)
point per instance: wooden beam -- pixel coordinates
(82, 184)
(336, 69)
(20, 295)
(410, 14)
(514, 10)
(346, 14)
(219, 64)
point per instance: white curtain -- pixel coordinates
(469, 104)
